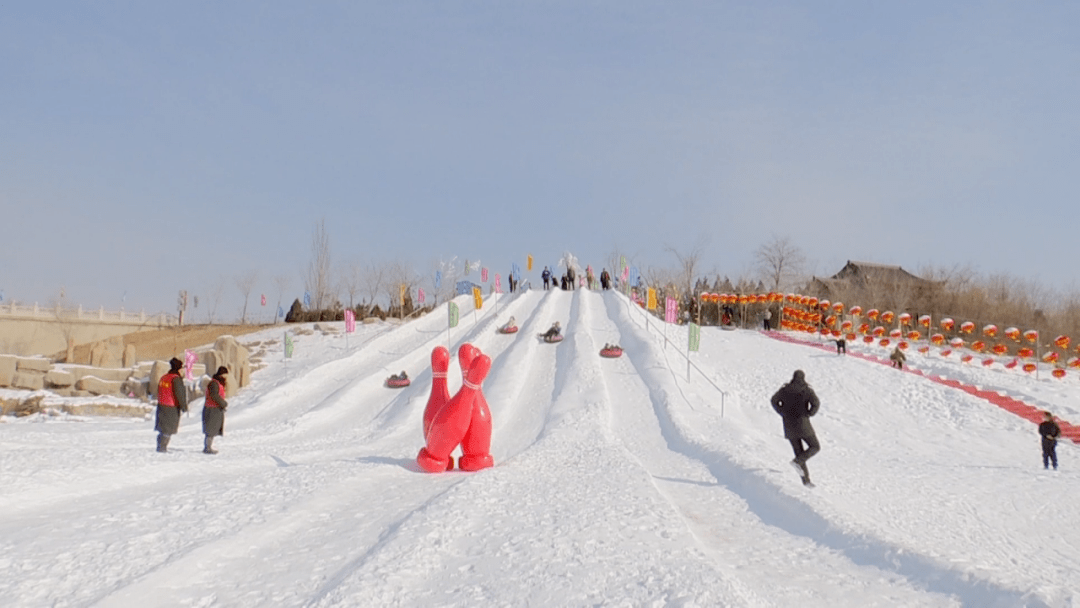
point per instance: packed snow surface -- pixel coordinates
(636, 481)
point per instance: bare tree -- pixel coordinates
(399, 280)
(351, 279)
(245, 282)
(282, 281)
(373, 278)
(215, 299)
(780, 262)
(318, 279)
(688, 262)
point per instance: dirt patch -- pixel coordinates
(164, 344)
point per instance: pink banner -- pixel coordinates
(483, 275)
(264, 299)
(350, 321)
(498, 283)
(420, 295)
(671, 312)
(625, 274)
(190, 358)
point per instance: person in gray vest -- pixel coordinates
(797, 402)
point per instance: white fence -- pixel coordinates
(39, 313)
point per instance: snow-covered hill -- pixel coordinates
(618, 482)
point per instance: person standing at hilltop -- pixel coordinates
(172, 401)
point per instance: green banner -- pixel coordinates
(695, 337)
(453, 314)
(288, 345)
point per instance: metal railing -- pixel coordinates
(79, 314)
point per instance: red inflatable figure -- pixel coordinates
(451, 423)
(476, 445)
(440, 395)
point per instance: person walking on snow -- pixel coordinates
(546, 275)
(1049, 431)
(767, 317)
(898, 358)
(213, 413)
(796, 402)
(172, 401)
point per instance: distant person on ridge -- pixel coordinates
(1049, 431)
(605, 279)
(172, 401)
(546, 275)
(797, 402)
(213, 413)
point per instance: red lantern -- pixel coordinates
(990, 331)
(956, 342)
(838, 307)
(868, 339)
(896, 334)
(1073, 362)
(1058, 373)
(846, 326)
(1000, 349)
(1031, 335)
(704, 296)
(1050, 357)
(946, 352)
(879, 331)
(864, 328)
(1062, 341)
(924, 320)
(884, 342)
(947, 324)
(873, 314)
(836, 333)
(812, 302)
(913, 335)
(1012, 332)
(830, 320)
(855, 311)
(1025, 352)
(924, 349)
(987, 362)
(824, 304)
(967, 327)
(887, 317)
(1030, 367)
(978, 346)
(905, 318)
(937, 339)
(904, 345)
(966, 358)
(1012, 364)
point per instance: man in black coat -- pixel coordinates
(797, 402)
(1049, 431)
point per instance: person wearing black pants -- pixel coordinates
(1049, 431)
(796, 402)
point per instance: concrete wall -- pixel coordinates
(31, 330)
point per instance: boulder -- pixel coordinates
(129, 356)
(115, 374)
(136, 388)
(157, 370)
(97, 386)
(8, 365)
(107, 353)
(31, 381)
(34, 364)
(56, 378)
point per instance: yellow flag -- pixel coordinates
(478, 298)
(528, 263)
(401, 294)
(652, 299)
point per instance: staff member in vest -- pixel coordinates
(213, 413)
(172, 401)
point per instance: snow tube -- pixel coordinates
(611, 353)
(727, 327)
(397, 382)
(553, 339)
(508, 330)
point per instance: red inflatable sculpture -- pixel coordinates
(463, 420)
(440, 395)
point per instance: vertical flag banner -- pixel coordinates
(635, 277)
(1, 295)
(671, 312)
(626, 275)
(622, 261)
(438, 279)
(695, 337)
(651, 303)
(498, 283)
(483, 275)
(307, 299)
(453, 310)
(478, 298)
(420, 295)
(189, 362)
(350, 321)
(288, 345)
(264, 299)
(401, 294)
(280, 311)
(467, 268)
(528, 263)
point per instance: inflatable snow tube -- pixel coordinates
(508, 330)
(611, 353)
(727, 327)
(553, 339)
(397, 382)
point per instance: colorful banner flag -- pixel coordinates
(401, 294)
(288, 345)
(671, 312)
(516, 271)
(626, 275)
(350, 321)
(498, 283)
(478, 298)
(438, 279)
(452, 309)
(528, 263)
(483, 275)
(635, 277)
(1, 295)
(468, 268)
(307, 299)
(695, 337)
(420, 295)
(190, 358)
(280, 311)
(651, 301)
(264, 299)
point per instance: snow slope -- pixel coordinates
(618, 482)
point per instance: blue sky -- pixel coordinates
(152, 147)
